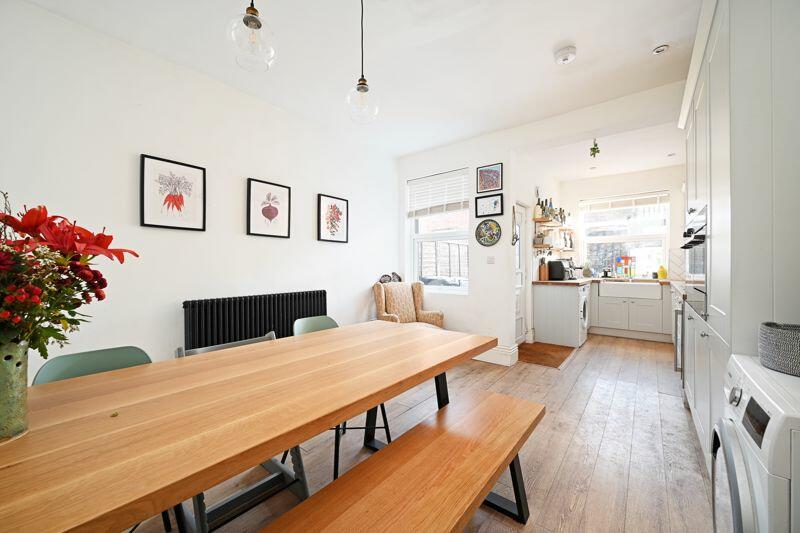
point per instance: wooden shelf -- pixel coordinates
(548, 247)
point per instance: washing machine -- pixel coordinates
(756, 451)
(583, 313)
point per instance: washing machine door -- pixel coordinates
(584, 310)
(730, 483)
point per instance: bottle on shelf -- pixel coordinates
(537, 211)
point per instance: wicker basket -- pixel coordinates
(779, 347)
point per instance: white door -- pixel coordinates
(612, 312)
(689, 350)
(702, 385)
(645, 315)
(520, 261)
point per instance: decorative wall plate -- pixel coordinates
(488, 232)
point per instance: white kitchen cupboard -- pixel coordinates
(689, 332)
(645, 315)
(691, 163)
(702, 384)
(697, 199)
(718, 280)
(612, 312)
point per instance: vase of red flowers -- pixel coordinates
(46, 275)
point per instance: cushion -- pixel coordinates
(400, 301)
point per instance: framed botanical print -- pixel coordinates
(269, 209)
(489, 178)
(173, 194)
(333, 218)
(487, 206)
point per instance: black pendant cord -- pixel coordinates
(362, 38)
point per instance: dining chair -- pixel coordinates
(94, 362)
(320, 323)
(297, 459)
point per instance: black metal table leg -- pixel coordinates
(369, 431)
(518, 509)
(442, 396)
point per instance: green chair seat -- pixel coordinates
(85, 363)
(313, 323)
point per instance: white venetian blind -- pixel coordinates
(627, 201)
(440, 193)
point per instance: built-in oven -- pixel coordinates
(696, 263)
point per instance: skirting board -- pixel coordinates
(500, 355)
(628, 334)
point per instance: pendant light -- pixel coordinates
(362, 101)
(254, 40)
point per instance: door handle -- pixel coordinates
(689, 318)
(703, 334)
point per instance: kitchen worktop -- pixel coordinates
(584, 281)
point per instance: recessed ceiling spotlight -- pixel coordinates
(671, 154)
(592, 168)
(660, 49)
(565, 55)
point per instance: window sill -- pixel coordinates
(433, 289)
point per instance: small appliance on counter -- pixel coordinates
(560, 270)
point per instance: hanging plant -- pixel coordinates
(594, 150)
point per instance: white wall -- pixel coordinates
(489, 307)
(659, 179)
(77, 110)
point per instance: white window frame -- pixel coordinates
(439, 236)
(606, 239)
(449, 203)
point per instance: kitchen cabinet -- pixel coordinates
(635, 314)
(718, 244)
(689, 355)
(702, 384)
(612, 312)
(645, 315)
(698, 197)
(691, 159)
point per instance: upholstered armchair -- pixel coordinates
(402, 302)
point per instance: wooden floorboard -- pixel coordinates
(616, 451)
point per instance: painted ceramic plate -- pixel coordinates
(488, 232)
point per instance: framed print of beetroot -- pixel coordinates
(173, 194)
(333, 218)
(269, 209)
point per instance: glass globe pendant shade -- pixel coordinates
(254, 41)
(362, 103)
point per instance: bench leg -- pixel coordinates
(518, 510)
(336, 443)
(442, 396)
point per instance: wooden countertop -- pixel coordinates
(584, 281)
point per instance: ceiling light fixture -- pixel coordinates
(362, 102)
(565, 55)
(254, 40)
(671, 154)
(660, 49)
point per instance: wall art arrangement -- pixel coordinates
(488, 232)
(487, 206)
(489, 178)
(173, 194)
(269, 209)
(332, 218)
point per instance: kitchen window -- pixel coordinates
(438, 214)
(634, 226)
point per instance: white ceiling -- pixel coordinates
(632, 151)
(445, 70)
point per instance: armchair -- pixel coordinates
(402, 302)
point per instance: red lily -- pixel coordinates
(29, 223)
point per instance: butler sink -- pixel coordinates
(644, 290)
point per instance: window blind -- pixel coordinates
(621, 202)
(440, 193)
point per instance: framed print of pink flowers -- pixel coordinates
(173, 194)
(269, 209)
(333, 218)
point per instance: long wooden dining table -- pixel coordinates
(105, 451)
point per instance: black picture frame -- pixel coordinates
(142, 201)
(495, 214)
(478, 189)
(250, 183)
(320, 196)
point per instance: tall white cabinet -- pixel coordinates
(742, 168)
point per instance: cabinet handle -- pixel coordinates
(689, 318)
(703, 334)
(692, 210)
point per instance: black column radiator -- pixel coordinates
(223, 320)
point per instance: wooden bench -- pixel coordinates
(432, 478)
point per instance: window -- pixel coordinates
(438, 213)
(635, 226)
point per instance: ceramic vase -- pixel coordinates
(13, 389)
